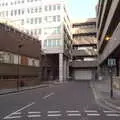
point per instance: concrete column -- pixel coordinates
(61, 67)
(65, 69)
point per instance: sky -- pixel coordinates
(81, 9)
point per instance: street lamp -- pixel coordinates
(19, 47)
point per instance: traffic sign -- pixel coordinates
(111, 62)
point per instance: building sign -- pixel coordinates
(111, 62)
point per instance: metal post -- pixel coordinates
(111, 83)
(18, 72)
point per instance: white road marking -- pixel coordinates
(34, 112)
(105, 111)
(10, 116)
(91, 111)
(53, 111)
(113, 115)
(73, 115)
(54, 115)
(72, 111)
(93, 114)
(31, 116)
(18, 113)
(48, 95)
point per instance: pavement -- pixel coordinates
(15, 90)
(101, 89)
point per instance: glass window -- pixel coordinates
(40, 9)
(54, 7)
(15, 12)
(58, 18)
(46, 8)
(31, 20)
(54, 18)
(58, 7)
(40, 20)
(36, 20)
(50, 8)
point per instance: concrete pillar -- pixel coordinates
(61, 67)
(65, 68)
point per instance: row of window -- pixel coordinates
(17, 2)
(21, 11)
(52, 7)
(52, 43)
(34, 32)
(6, 57)
(52, 18)
(36, 20)
(52, 30)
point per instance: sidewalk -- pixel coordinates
(102, 93)
(44, 84)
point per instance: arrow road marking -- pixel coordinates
(45, 97)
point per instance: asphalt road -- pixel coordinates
(68, 101)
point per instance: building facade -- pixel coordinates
(20, 58)
(84, 51)
(46, 20)
(108, 27)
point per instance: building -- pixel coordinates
(46, 20)
(108, 27)
(20, 58)
(84, 50)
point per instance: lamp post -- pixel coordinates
(19, 47)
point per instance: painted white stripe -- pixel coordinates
(74, 114)
(91, 111)
(53, 111)
(53, 115)
(93, 114)
(48, 95)
(18, 113)
(31, 116)
(113, 115)
(109, 111)
(34, 112)
(72, 111)
(10, 115)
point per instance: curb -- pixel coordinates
(30, 88)
(102, 101)
(23, 89)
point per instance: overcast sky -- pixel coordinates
(82, 8)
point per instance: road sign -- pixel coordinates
(111, 62)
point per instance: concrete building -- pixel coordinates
(108, 35)
(20, 58)
(46, 20)
(84, 51)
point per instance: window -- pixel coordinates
(12, 13)
(40, 9)
(31, 20)
(19, 11)
(15, 12)
(36, 20)
(58, 7)
(40, 20)
(22, 22)
(58, 18)
(54, 7)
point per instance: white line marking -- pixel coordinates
(74, 114)
(16, 113)
(48, 95)
(53, 111)
(109, 111)
(93, 114)
(72, 111)
(113, 115)
(53, 115)
(10, 115)
(34, 112)
(30, 116)
(91, 111)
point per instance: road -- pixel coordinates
(68, 101)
